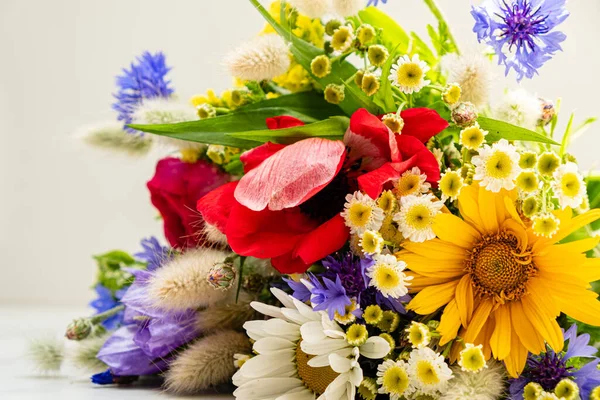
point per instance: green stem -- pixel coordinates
(239, 288)
(106, 314)
(435, 10)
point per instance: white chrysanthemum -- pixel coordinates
(371, 242)
(393, 379)
(387, 275)
(487, 384)
(347, 8)
(412, 182)
(330, 345)
(416, 215)
(497, 166)
(520, 108)
(471, 358)
(265, 57)
(418, 334)
(429, 372)
(342, 38)
(311, 8)
(568, 185)
(473, 73)
(361, 213)
(409, 74)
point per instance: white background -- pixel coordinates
(61, 202)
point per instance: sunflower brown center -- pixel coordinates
(315, 379)
(499, 267)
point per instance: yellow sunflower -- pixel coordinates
(501, 285)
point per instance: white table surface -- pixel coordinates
(19, 381)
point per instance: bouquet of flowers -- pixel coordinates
(354, 219)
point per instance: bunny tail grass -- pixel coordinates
(47, 354)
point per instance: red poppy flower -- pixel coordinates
(287, 206)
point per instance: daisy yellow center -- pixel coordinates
(408, 184)
(545, 226)
(371, 242)
(410, 74)
(532, 390)
(472, 137)
(395, 380)
(419, 217)
(499, 268)
(499, 165)
(315, 379)
(359, 214)
(450, 184)
(386, 277)
(570, 184)
(387, 201)
(357, 335)
(567, 389)
(472, 359)
(426, 373)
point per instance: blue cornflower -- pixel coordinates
(549, 368)
(103, 378)
(154, 254)
(300, 291)
(106, 301)
(350, 269)
(521, 31)
(146, 79)
(375, 2)
(329, 296)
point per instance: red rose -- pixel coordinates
(174, 191)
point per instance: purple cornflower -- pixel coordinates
(521, 31)
(106, 301)
(300, 291)
(146, 79)
(329, 296)
(154, 254)
(351, 271)
(549, 368)
(103, 378)
(375, 2)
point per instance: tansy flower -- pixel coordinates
(356, 335)
(528, 159)
(365, 34)
(334, 94)
(547, 396)
(389, 321)
(409, 74)
(528, 181)
(532, 391)
(387, 201)
(361, 213)
(412, 182)
(394, 122)
(415, 219)
(472, 137)
(428, 370)
(547, 163)
(368, 389)
(471, 358)
(370, 84)
(531, 205)
(320, 66)
(377, 54)
(388, 277)
(567, 389)
(497, 166)
(373, 314)
(500, 285)
(342, 38)
(568, 185)
(418, 334)
(545, 225)
(450, 184)
(451, 95)
(393, 379)
(371, 242)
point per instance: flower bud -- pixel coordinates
(451, 95)
(332, 26)
(206, 111)
(370, 84)
(334, 94)
(358, 77)
(365, 34)
(320, 66)
(378, 55)
(394, 122)
(221, 275)
(79, 329)
(464, 114)
(548, 112)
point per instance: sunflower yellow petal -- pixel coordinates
(487, 210)
(480, 317)
(575, 223)
(515, 362)
(465, 300)
(450, 228)
(501, 338)
(524, 330)
(436, 249)
(547, 328)
(419, 282)
(449, 323)
(433, 297)
(582, 306)
(424, 266)
(467, 205)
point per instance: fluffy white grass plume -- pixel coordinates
(213, 235)
(182, 282)
(81, 355)
(311, 8)
(521, 108)
(110, 135)
(170, 110)
(488, 384)
(206, 363)
(473, 73)
(230, 315)
(347, 8)
(265, 57)
(47, 354)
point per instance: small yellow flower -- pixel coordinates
(334, 94)
(394, 122)
(320, 66)
(221, 154)
(365, 34)
(387, 201)
(528, 160)
(205, 111)
(373, 314)
(393, 379)
(311, 30)
(472, 359)
(361, 213)
(189, 155)
(472, 137)
(566, 389)
(358, 77)
(389, 321)
(378, 55)
(418, 334)
(239, 97)
(532, 390)
(411, 182)
(531, 205)
(272, 95)
(389, 230)
(370, 84)
(595, 394)
(371, 242)
(357, 335)
(368, 389)
(545, 225)
(450, 184)
(548, 163)
(332, 26)
(528, 181)
(451, 95)
(409, 74)
(342, 39)
(547, 396)
(348, 317)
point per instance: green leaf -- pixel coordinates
(392, 34)
(332, 128)
(593, 192)
(110, 269)
(422, 49)
(503, 130)
(384, 97)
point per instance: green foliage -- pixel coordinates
(332, 128)
(593, 192)
(503, 130)
(384, 97)
(392, 34)
(441, 39)
(110, 269)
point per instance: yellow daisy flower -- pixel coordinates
(471, 358)
(500, 285)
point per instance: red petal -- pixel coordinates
(372, 183)
(283, 121)
(326, 239)
(422, 123)
(368, 138)
(216, 205)
(292, 175)
(253, 158)
(425, 160)
(288, 264)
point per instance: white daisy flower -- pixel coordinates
(361, 213)
(497, 167)
(429, 372)
(387, 275)
(409, 74)
(568, 185)
(412, 182)
(416, 215)
(418, 334)
(371, 242)
(393, 379)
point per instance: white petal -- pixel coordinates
(307, 311)
(266, 388)
(356, 376)
(266, 309)
(312, 332)
(323, 347)
(323, 359)
(283, 297)
(303, 394)
(294, 316)
(263, 366)
(280, 328)
(255, 330)
(375, 347)
(339, 364)
(271, 344)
